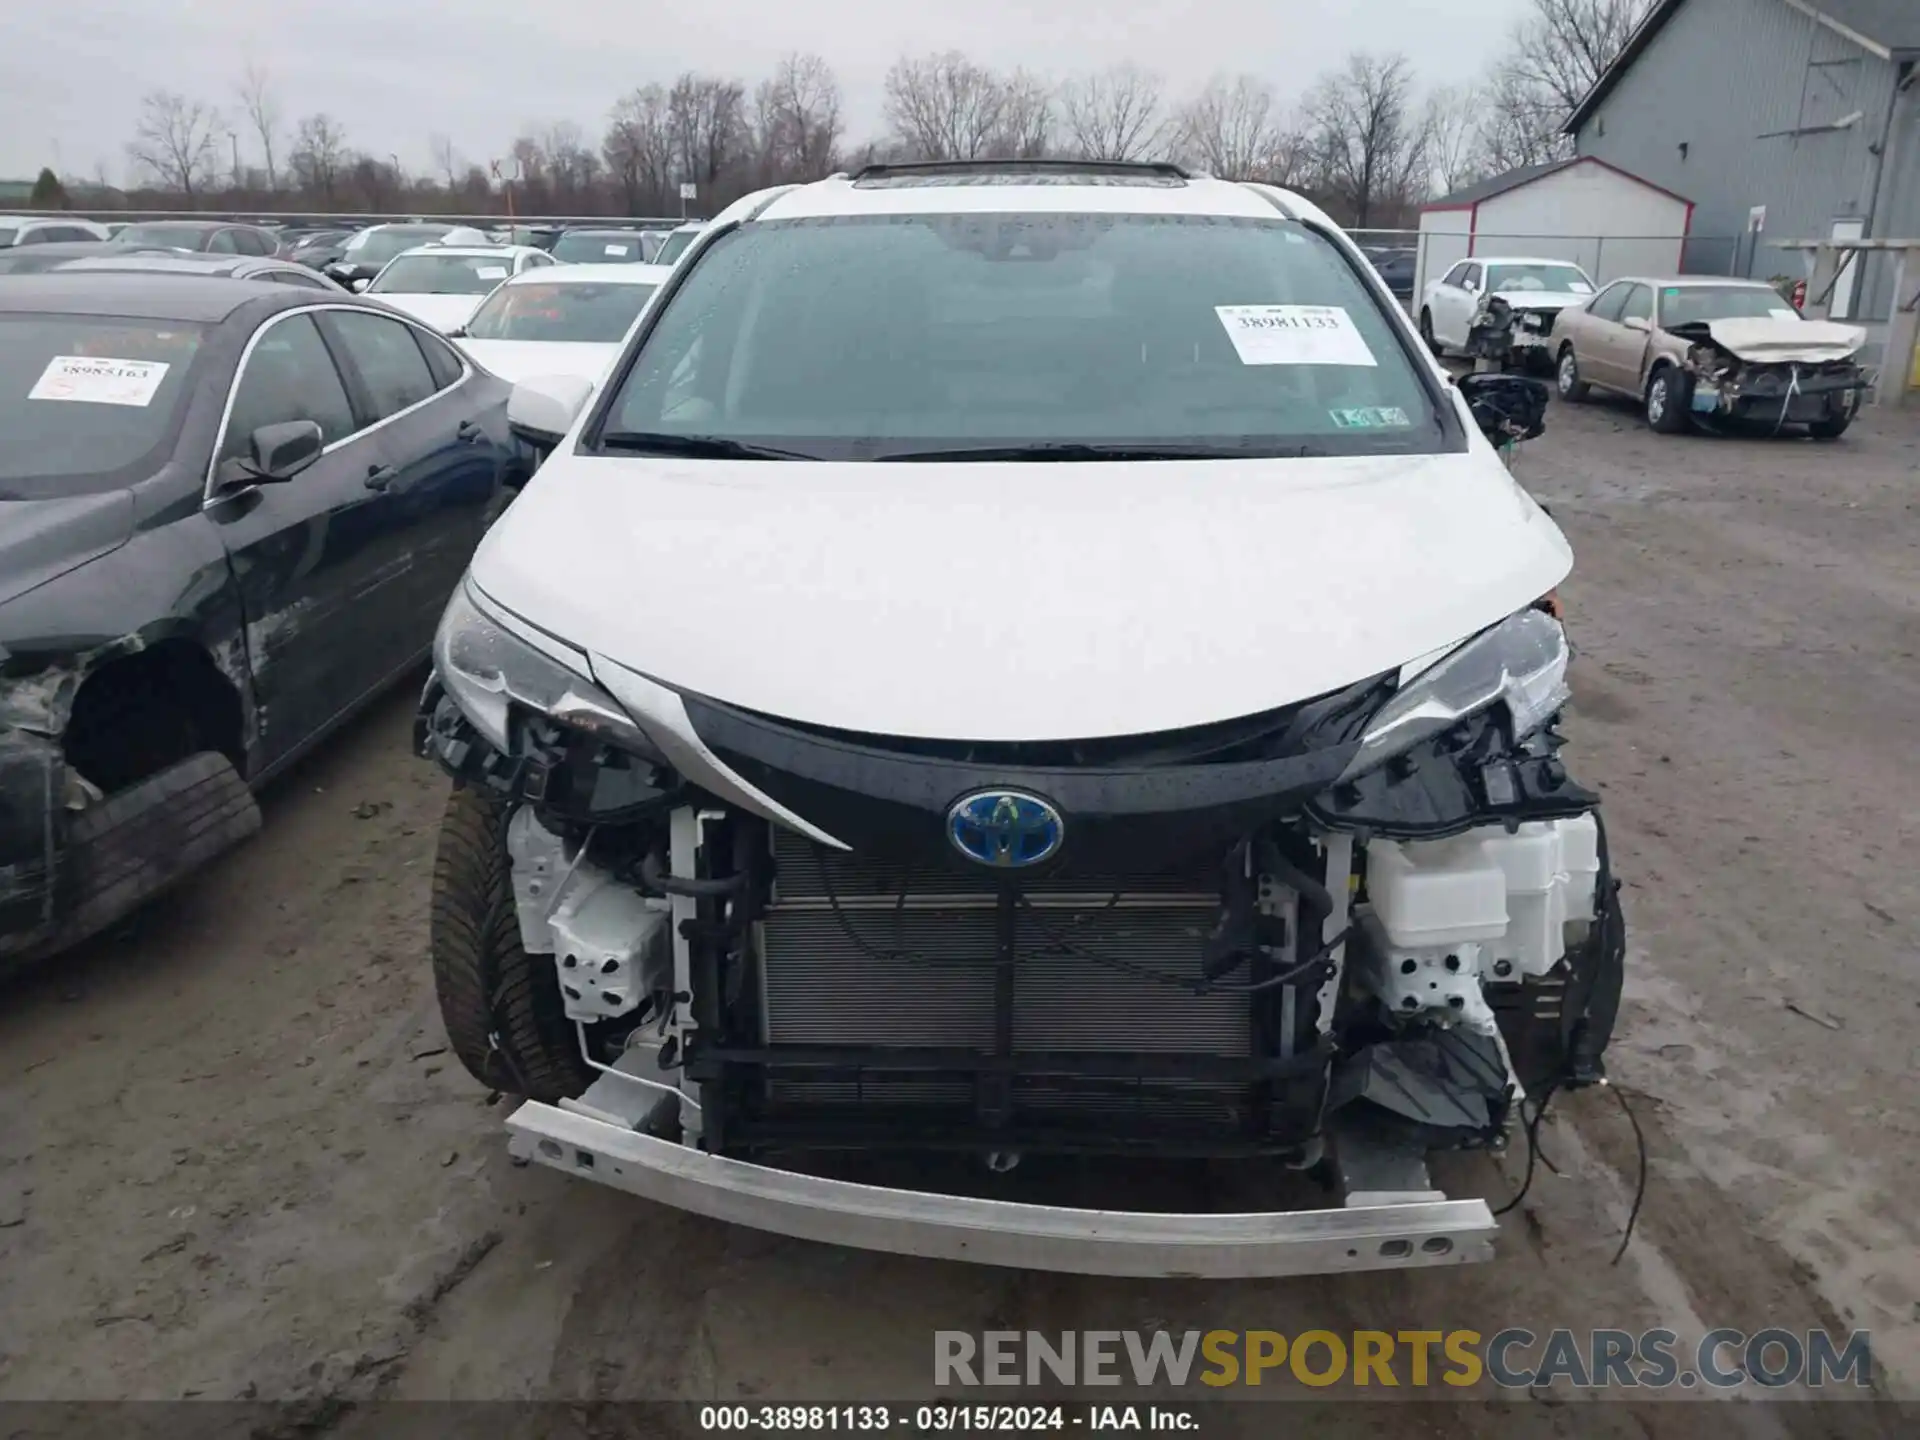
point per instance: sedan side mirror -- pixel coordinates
(280, 452)
(1506, 407)
(361, 284)
(546, 407)
(1638, 322)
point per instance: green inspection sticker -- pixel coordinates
(1372, 417)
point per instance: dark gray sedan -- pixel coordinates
(230, 514)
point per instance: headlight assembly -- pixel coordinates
(487, 669)
(1522, 662)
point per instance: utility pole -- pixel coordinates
(234, 136)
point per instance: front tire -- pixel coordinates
(1566, 377)
(1834, 426)
(1667, 401)
(1427, 335)
(501, 1006)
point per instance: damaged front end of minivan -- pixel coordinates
(722, 952)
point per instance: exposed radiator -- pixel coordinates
(840, 979)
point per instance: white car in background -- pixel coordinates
(47, 230)
(562, 320)
(442, 285)
(677, 241)
(1536, 290)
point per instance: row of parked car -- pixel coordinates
(1692, 350)
(236, 492)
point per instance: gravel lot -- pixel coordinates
(235, 1159)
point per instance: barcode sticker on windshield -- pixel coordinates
(491, 272)
(97, 380)
(1294, 335)
(616, 249)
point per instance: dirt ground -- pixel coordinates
(237, 1161)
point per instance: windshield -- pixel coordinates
(88, 402)
(877, 337)
(441, 275)
(376, 247)
(587, 311)
(1564, 279)
(171, 237)
(600, 249)
(675, 246)
(1680, 304)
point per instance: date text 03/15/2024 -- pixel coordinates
(944, 1419)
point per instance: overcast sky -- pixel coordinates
(396, 71)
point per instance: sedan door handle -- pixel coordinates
(379, 477)
(469, 432)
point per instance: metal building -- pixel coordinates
(1782, 120)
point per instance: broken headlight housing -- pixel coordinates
(488, 666)
(1521, 662)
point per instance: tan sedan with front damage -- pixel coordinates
(1706, 351)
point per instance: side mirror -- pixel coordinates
(1506, 407)
(338, 272)
(361, 284)
(1638, 322)
(457, 332)
(280, 452)
(547, 406)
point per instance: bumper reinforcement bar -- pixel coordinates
(997, 1232)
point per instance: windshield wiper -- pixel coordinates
(1072, 451)
(700, 447)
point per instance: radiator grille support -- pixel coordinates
(895, 955)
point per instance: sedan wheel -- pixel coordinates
(1666, 402)
(1567, 376)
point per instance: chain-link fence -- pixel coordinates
(1603, 257)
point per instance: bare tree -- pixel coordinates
(1454, 121)
(1553, 59)
(445, 158)
(1369, 141)
(707, 125)
(262, 110)
(177, 142)
(1116, 114)
(319, 155)
(797, 117)
(944, 107)
(571, 166)
(1235, 129)
(1025, 131)
(638, 150)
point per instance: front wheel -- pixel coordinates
(1567, 377)
(501, 1006)
(1427, 335)
(1667, 401)
(1834, 426)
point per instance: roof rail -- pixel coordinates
(1161, 168)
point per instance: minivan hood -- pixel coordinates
(41, 540)
(442, 312)
(1024, 601)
